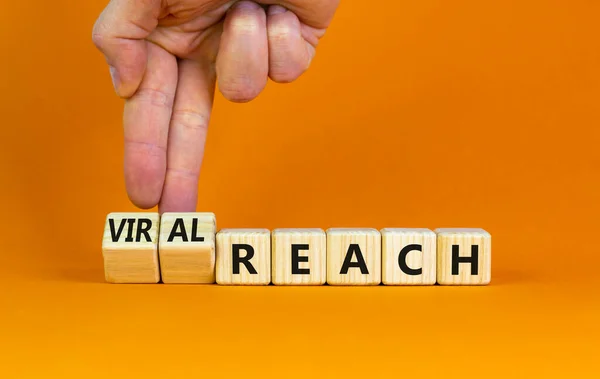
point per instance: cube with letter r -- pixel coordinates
(130, 248)
(244, 257)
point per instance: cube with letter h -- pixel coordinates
(244, 257)
(129, 248)
(464, 256)
(187, 247)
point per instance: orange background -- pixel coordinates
(414, 113)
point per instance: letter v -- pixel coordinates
(113, 235)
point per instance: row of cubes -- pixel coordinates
(187, 248)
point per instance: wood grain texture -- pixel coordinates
(131, 256)
(182, 259)
(463, 240)
(393, 241)
(260, 241)
(281, 270)
(359, 246)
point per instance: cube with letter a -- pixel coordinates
(129, 248)
(187, 248)
(464, 256)
(353, 256)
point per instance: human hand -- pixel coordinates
(165, 57)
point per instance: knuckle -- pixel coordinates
(286, 71)
(284, 76)
(190, 119)
(192, 173)
(281, 33)
(245, 24)
(145, 148)
(156, 97)
(239, 95)
(99, 35)
(238, 90)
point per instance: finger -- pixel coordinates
(187, 135)
(317, 14)
(119, 34)
(289, 54)
(146, 123)
(243, 59)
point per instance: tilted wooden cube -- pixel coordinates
(187, 248)
(129, 248)
(464, 256)
(408, 256)
(298, 257)
(353, 256)
(244, 257)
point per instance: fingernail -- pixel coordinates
(114, 75)
(276, 9)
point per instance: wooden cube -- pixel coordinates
(464, 256)
(187, 248)
(353, 256)
(244, 257)
(129, 248)
(408, 256)
(298, 256)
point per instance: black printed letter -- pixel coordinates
(473, 259)
(360, 260)
(144, 225)
(174, 233)
(129, 237)
(235, 252)
(115, 235)
(402, 260)
(195, 236)
(296, 259)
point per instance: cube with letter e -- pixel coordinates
(298, 257)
